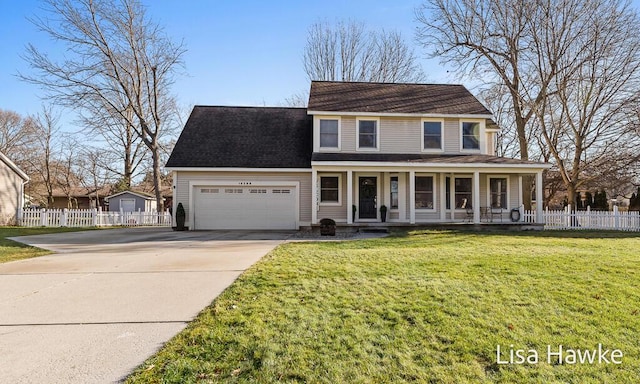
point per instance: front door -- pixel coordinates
(367, 192)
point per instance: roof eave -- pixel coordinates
(394, 114)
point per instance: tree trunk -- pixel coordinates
(157, 181)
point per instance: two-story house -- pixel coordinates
(424, 151)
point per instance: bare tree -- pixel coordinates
(520, 45)
(348, 52)
(119, 60)
(17, 135)
(43, 166)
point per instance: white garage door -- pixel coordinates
(238, 207)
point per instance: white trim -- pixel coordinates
(378, 131)
(316, 134)
(437, 167)
(433, 192)
(330, 203)
(443, 196)
(481, 140)
(314, 197)
(496, 176)
(539, 198)
(131, 193)
(391, 114)
(349, 197)
(232, 169)
(432, 150)
(242, 183)
(475, 197)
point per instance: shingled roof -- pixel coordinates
(244, 137)
(334, 96)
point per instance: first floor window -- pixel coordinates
(394, 192)
(498, 189)
(329, 189)
(463, 188)
(424, 192)
(329, 133)
(470, 135)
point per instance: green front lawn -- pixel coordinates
(11, 250)
(420, 307)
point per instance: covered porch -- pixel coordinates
(413, 194)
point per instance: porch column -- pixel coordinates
(412, 197)
(452, 197)
(539, 201)
(476, 197)
(349, 197)
(314, 196)
(519, 190)
(443, 197)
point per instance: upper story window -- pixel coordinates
(470, 135)
(329, 133)
(432, 135)
(368, 136)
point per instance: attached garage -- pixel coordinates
(245, 207)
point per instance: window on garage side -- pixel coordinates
(329, 189)
(424, 192)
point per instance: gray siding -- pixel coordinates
(400, 135)
(141, 203)
(451, 136)
(184, 177)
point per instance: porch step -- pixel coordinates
(373, 230)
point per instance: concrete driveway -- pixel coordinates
(109, 299)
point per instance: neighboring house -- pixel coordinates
(130, 201)
(79, 198)
(424, 151)
(12, 181)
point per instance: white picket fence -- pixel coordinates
(566, 219)
(92, 218)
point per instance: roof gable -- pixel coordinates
(13, 167)
(334, 96)
(142, 195)
(244, 137)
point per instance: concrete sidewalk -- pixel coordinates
(111, 298)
